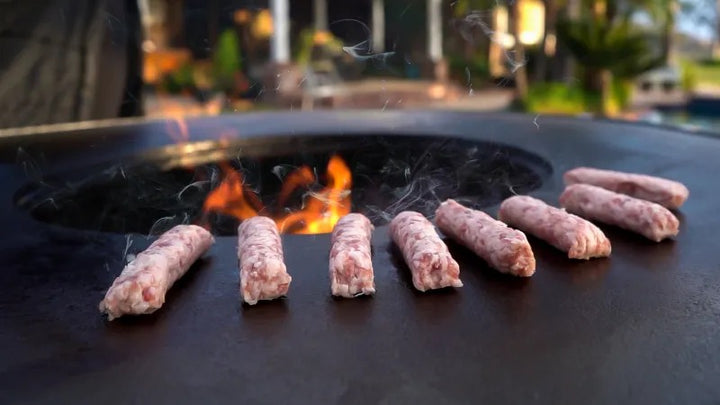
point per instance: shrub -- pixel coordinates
(227, 61)
(710, 62)
(179, 80)
(556, 98)
(621, 92)
(688, 76)
(561, 98)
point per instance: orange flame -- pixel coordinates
(229, 196)
(300, 177)
(321, 210)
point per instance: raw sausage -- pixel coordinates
(567, 232)
(651, 220)
(351, 269)
(505, 249)
(263, 275)
(143, 283)
(668, 193)
(428, 257)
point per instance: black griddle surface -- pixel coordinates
(640, 327)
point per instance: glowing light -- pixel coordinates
(506, 41)
(241, 16)
(532, 21)
(321, 209)
(501, 35)
(321, 37)
(262, 27)
(437, 91)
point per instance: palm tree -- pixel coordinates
(607, 44)
(474, 34)
(716, 44)
(521, 79)
(662, 13)
(551, 13)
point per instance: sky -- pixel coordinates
(688, 25)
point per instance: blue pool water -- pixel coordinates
(687, 121)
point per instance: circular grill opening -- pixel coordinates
(162, 188)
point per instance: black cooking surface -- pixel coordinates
(390, 174)
(640, 327)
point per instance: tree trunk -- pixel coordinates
(600, 80)
(214, 22)
(519, 68)
(716, 43)
(573, 10)
(541, 68)
(666, 42)
(606, 98)
(469, 49)
(668, 28)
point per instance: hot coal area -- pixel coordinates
(390, 174)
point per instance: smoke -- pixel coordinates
(469, 81)
(196, 187)
(128, 244)
(282, 170)
(391, 174)
(164, 224)
(362, 51)
(421, 174)
(469, 24)
(29, 165)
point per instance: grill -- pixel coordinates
(641, 324)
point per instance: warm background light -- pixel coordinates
(532, 22)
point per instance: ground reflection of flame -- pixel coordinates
(177, 129)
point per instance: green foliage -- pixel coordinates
(707, 72)
(689, 76)
(620, 48)
(306, 46)
(558, 98)
(561, 98)
(180, 80)
(227, 61)
(621, 92)
(462, 8)
(710, 62)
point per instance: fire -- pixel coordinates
(321, 209)
(229, 196)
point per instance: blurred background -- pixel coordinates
(655, 61)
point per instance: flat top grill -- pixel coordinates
(640, 326)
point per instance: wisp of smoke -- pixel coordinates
(422, 179)
(469, 81)
(196, 185)
(164, 224)
(29, 165)
(362, 51)
(49, 200)
(475, 19)
(128, 243)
